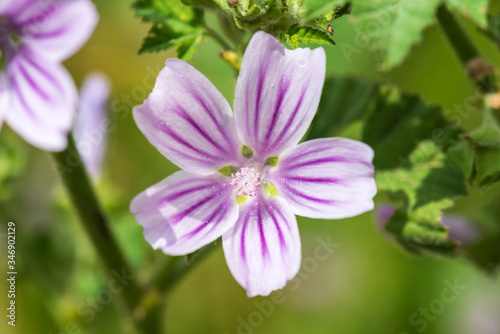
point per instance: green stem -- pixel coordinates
(76, 181)
(462, 45)
(218, 38)
(177, 267)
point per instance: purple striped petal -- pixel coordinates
(185, 212)
(43, 100)
(277, 94)
(54, 28)
(5, 95)
(263, 249)
(326, 178)
(18, 11)
(188, 120)
(91, 123)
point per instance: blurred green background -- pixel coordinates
(367, 285)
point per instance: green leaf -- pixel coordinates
(474, 9)
(174, 24)
(398, 122)
(424, 187)
(487, 166)
(486, 140)
(297, 34)
(461, 154)
(395, 121)
(316, 8)
(486, 253)
(487, 136)
(344, 100)
(392, 27)
(493, 29)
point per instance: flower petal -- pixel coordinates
(18, 11)
(326, 178)
(54, 28)
(263, 248)
(188, 120)
(91, 122)
(185, 212)
(5, 95)
(277, 94)
(43, 101)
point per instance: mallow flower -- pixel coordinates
(92, 123)
(38, 97)
(244, 176)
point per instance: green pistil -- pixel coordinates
(270, 189)
(228, 170)
(272, 161)
(247, 152)
(241, 199)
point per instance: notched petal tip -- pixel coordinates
(263, 249)
(185, 212)
(277, 94)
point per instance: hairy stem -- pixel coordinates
(76, 181)
(465, 50)
(218, 38)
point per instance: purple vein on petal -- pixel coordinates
(325, 160)
(44, 73)
(260, 86)
(169, 132)
(220, 215)
(276, 225)
(331, 180)
(45, 14)
(242, 240)
(283, 89)
(33, 84)
(265, 251)
(184, 115)
(23, 101)
(183, 193)
(306, 153)
(290, 120)
(181, 215)
(202, 103)
(307, 197)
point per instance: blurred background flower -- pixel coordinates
(364, 285)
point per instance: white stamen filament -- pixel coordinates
(247, 181)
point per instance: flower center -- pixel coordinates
(247, 181)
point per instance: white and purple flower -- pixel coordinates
(92, 123)
(38, 98)
(245, 176)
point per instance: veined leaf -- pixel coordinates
(425, 186)
(297, 34)
(316, 8)
(344, 100)
(474, 9)
(392, 27)
(174, 24)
